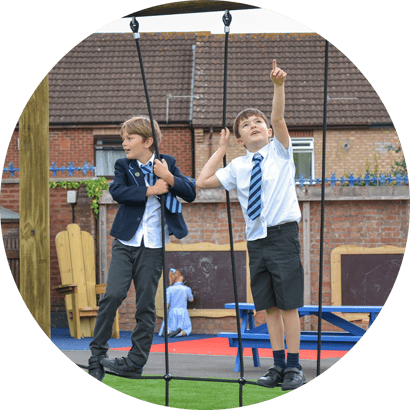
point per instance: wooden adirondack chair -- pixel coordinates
(76, 259)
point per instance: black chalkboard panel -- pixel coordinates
(367, 279)
(209, 275)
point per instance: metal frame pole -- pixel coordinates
(322, 210)
(227, 19)
(134, 27)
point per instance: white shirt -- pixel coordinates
(279, 199)
(150, 226)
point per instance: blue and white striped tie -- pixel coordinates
(171, 202)
(254, 202)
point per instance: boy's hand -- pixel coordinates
(277, 75)
(160, 187)
(160, 168)
(224, 141)
(161, 171)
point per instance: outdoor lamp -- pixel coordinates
(72, 199)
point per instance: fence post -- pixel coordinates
(34, 206)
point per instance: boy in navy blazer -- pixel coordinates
(137, 248)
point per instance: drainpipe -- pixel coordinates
(191, 112)
(211, 133)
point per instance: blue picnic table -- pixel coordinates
(258, 337)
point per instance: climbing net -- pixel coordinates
(241, 381)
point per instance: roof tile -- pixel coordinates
(99, 80)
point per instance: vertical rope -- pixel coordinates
(227, 19)
(322, 211)
(134, 27)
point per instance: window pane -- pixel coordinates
(303, 164)
(301, 144)
(106, 160)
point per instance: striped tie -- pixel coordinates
(171, 202)
(254, 202)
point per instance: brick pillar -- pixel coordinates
(84, 215)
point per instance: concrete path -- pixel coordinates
(195, 365)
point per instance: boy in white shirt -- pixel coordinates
(264, 179)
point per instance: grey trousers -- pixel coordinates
(144, 266)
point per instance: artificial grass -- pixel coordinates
(187, 394)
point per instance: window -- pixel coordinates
(107, 150)
(303, 156)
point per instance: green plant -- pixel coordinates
(370, 173)
(94, 187)
(399, 166)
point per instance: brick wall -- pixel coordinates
(77, 145)
(65, 145)
(12, 154)
(363, 223)
(9, 198)
(366, 223)
(177, 142)
(367, 149)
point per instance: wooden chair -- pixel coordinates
(76, 259)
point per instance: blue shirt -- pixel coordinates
(178, 294)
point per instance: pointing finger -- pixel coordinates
(274, 64)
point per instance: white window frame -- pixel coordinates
(107, 143)
(307, 144)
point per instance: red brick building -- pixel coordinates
(98, 85)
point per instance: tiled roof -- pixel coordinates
(99, 81)
(351, 99)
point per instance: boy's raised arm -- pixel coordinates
(207, 177)
(280, 129)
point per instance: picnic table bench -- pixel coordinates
(258, 337)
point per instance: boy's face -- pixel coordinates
(136, 148)
(254, 133)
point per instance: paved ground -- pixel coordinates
(195, 365)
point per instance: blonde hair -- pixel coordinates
(174, 275)
(142, 126)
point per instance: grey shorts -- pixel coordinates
(276, 268)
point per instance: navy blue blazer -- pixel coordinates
(129, 190)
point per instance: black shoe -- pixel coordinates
(293, 377)
(272, 378)
(123, 366)
(95, 368)
(175, 332)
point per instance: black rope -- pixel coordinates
(169, 377)
(322, 211)
(134, 27)
(227, 19)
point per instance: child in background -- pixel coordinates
(179, 322)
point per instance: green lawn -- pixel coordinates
(187, 394)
